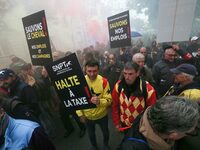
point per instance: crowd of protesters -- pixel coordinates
(143, 86)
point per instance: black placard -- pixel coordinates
(37, 36)
(69, 82)
(119, 30)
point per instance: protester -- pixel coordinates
(35, 80)
(188, 88)
(124, 55)
(194, 45)
(161, 70)
(87, 56)
(131, 96)
(184, 80)
(105, 58)
(112, 70)
(18, 88)
(148, 59)
(101, 97)
(145, 72)
(170, 119)
(22, 133)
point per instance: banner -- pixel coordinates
(119, 30)
(36, 32)
(69, 82)
(175, 19)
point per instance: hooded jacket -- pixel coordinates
(155, 141)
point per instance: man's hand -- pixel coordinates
(95, 100)
(176, 47)
(83, 119)
(117, 128)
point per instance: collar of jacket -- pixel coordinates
(133, 89)
(192, 85)
(155, 142)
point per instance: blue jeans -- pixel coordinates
(103, 123)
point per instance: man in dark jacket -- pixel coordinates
(112, 70)
(148, 59)
(161, 71)
(145, 72)
(18, 88)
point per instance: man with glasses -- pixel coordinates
(131, 96)
(161, 71)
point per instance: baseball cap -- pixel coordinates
(185, 68)
(194, 38)
(5, 73)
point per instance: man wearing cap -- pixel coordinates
(161, 70)
(194, 45)
(188, 88)
(18, 88)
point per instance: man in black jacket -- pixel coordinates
(148, 59)
(18, 88)
(112, 70)
(161, 71)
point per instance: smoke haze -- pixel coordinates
(72, 24)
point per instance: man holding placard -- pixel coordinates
(101, 97)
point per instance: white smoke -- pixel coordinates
(72, 24)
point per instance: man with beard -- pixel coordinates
(131, 96)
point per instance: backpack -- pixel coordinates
(134, 140)
(18, 109)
